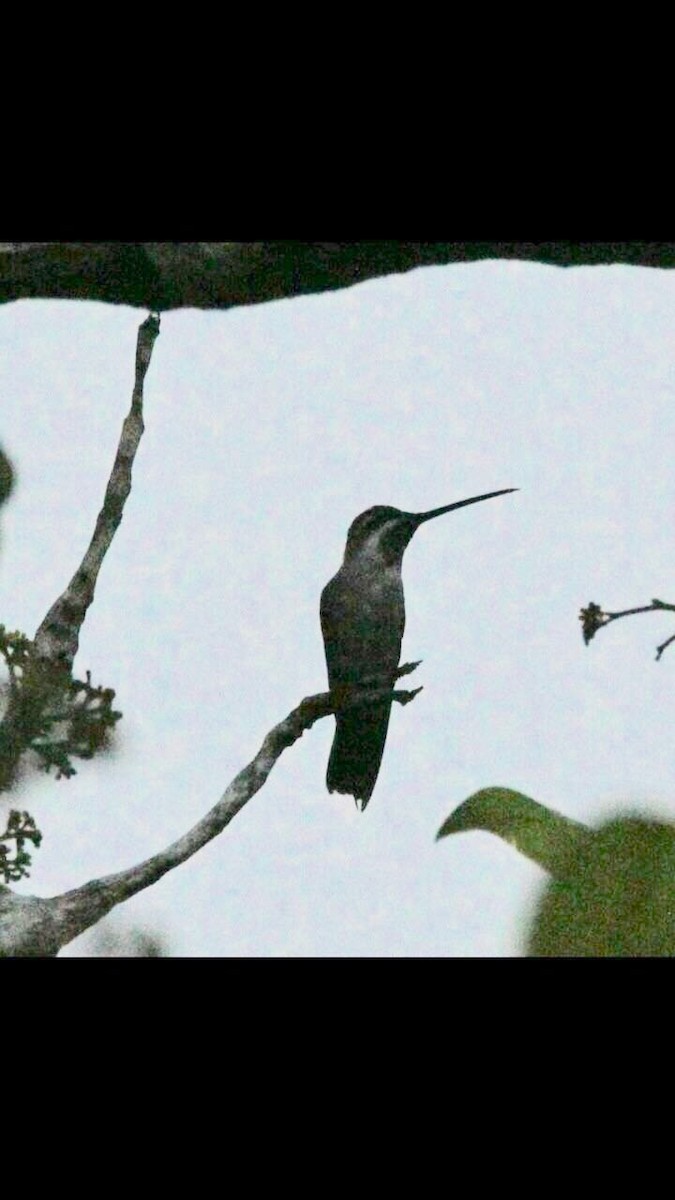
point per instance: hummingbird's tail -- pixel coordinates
(357, 750)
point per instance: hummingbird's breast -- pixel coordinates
(362, 620)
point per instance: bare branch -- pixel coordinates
(46, 672)
(35, 926)
(169, 275)
(57, 638)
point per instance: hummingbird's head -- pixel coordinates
(384, 532)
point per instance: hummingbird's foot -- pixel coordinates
(367, 696)
(404, 697)
(408, 668)
(380, 681)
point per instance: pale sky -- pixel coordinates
(268, 429)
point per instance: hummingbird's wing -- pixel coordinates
(362, 632)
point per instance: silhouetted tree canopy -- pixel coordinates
(165, 275)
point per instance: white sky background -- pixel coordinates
(268, 429)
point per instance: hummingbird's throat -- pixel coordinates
(393, 540)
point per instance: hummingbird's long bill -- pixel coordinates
(437, 512)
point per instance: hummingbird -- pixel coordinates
(362, 621)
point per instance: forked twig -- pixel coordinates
(593, 618)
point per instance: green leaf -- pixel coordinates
(618, 897)
(613, 889)
(545, 836)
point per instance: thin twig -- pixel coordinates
(664, 646)
(593, 618)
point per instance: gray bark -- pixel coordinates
(166, 275)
